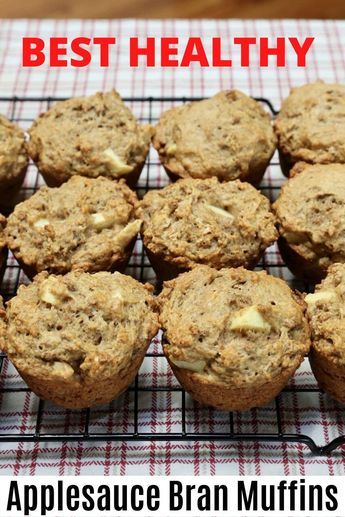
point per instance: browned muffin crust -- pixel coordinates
(229, 136)
(86, 224)
(90, 136)
(311, 219)
(311, 125)
(79, 339)
(233, 337)
(327, 321)
(13, 162)
(196, 221)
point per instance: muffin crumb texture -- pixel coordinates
(311, 218)
(79, 339)
(326, 310)
(233, 331)
(229, 136)
(311, 124)
(90, 136)
(13, 157)
(86, 224)
(207, 222)
(327, 320)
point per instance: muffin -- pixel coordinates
(13, 163)
(86, 224)
(90, 136)
(196, 221)
(311, 219)
(79, 339)
(327, 321)
(311, 125)
(229, 136)
(232, 337)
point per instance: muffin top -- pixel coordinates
(228, 136)
(79, 326)
(326, 311)
(311, 123)
(13, 157)
(233, 326)
(311, 212)
(91, 136)
(204, 221)
(85, 224)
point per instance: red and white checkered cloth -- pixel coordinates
(307, 413)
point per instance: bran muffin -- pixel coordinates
(311, 219)
(311, 125)
(195, 221)
(229, 136)
(327, 320)
(90, 136)
(87, 224)
(79, 339)
(13, 163)
(232, 337)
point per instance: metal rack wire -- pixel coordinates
(155, 407)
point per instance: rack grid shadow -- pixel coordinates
(155, 407)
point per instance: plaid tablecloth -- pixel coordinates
(308, 413)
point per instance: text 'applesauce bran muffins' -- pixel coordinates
(87, 224)
(311, 125)
(229, 136)
(205, 222)
(232, 337)
(79, 339)
(311, 219)
(13, 162)
(326, 311)
(90, 136)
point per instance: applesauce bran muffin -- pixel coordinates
(232, 337)
(311, 125)
(90, 136)
(79, 339)
(197, 221)
(311, 219)
(13, 162)
(229, 136)
(327, 320)
(86, 224)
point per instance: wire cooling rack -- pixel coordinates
(155, 407)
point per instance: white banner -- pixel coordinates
(146, 496)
